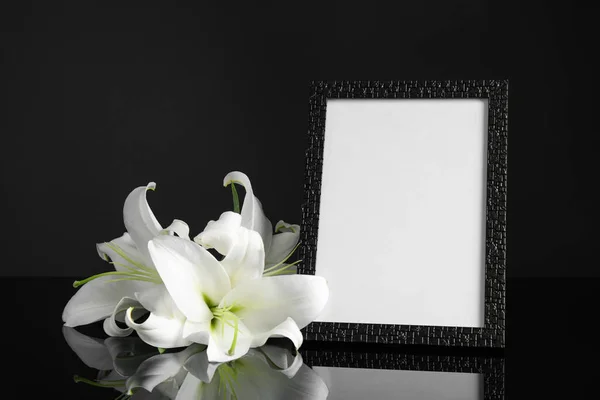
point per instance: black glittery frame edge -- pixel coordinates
(496, 91)
(492, 368)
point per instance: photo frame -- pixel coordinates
(416, 375)
(405, 208)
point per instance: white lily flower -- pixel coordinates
(231, 320)
(134, 282)
(230, 236)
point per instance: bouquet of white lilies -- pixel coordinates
(174, 292)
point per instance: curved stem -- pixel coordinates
(91, 278)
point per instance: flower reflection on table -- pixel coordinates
(139, 371)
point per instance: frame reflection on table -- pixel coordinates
(362, 374)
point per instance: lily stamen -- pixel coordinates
(226, 317)
(122, 265)
(271, 268)
(135, 272)
(281, 270)
(126, 257)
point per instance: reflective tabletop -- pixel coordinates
(550, 352)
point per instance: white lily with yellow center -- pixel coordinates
(134, 282)
(232, 319)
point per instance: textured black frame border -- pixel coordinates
(496, 91)
(492, 368)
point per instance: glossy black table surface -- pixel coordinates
(551, 352)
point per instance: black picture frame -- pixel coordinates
(491, 367)
(492, 334)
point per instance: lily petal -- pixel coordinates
(158, 301)
(169, 388)
(194, 388)
(97, 300)
(243, 248)
(307, 384)
(285, 239)
(253, 216)
(157, 369)
(110, 324)
(159, 331)
(90, 350)
(193, 277)
(221, 234)
(197, 332)
(287, 329)
(247, 259)
(107, 252)
(128, 353)
(117, 347)
(139, 219)
(297, 382)
(265, 303)
(180, 228)
(225, 344)
(199, 366)
(255, 378)
(287, 363)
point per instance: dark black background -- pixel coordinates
(97, 100)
